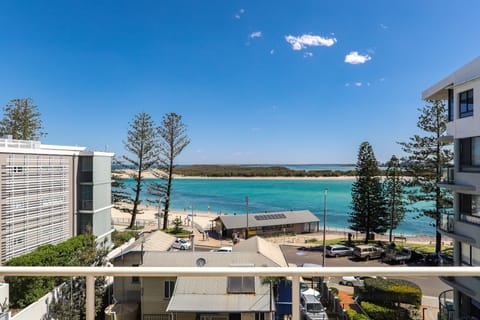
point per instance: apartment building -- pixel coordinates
(50, 193)
(461, 91)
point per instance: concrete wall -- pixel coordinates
(153, 298)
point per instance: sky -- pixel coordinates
(256, 82)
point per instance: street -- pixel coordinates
(431, 286)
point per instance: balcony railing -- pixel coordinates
(448, 174)
(447, 308)
(295, 273)
(467, 217)
(447, 220)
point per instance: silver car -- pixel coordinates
(311, 308)
(337, 250)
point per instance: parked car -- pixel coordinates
(356, 280)
(182, 244)
(311, 308)
(337, 250)
(438, 259)
(397, 256)
(222, 249)
(367, 252)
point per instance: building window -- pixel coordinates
(466, 103)
(169, 286)
(451, 105)
(469, 157)
(135, 280)
(469, 207)
(241, 285)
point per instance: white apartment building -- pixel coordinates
(461, 90)
(50, 193)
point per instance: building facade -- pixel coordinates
(51, 193)
(461, 91)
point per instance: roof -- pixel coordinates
(468, 72)
(267, 219)
(261, 246)
(196, 294)
(155, 241)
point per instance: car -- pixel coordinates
(356, 280)
(222, 249)
(337, 250)
(182, 244)
(367, 252)
(311, 308)
(438, 259)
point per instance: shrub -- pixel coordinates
(354, 315)
(391, 292)
(378, 312)
(120, 237)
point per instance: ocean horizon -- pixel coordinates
(228, 196)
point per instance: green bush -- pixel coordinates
(354, 315)
(120, 237)
(391, 292)
(77, 251)
(378, 312)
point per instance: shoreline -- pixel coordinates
(205, 220)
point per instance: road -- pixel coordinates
(431, 286)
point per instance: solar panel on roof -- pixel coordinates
(270, 216)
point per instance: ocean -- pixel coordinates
(229, 196)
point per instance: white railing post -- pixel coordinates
(90, 293)
(295, 298)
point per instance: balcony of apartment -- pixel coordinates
(446, 305)
(462, 229)
(448, 180)
(295, 273)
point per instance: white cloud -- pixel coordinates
(308, 55)
(358, 84)
(382, 26)
(307, 40)
(239, 14)
(256, 34)
(355, 58)
(272, 51)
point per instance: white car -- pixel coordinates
(182, 244)
(356, 280)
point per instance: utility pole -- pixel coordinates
(246, 209)
(324, 223)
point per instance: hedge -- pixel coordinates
(391, 292)
(378, 312)
(354, 315)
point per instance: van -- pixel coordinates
(337, 250)
(367, 252)
(311, 308)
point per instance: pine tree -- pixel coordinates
(142, 146)
(426, 157)
(368, 208)
(173, 139)
(120, 195)
(393, 194)
(21, 120)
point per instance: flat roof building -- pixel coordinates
(461, 91)
(50, 193)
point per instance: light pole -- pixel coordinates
(158, 213)
(193, 233)
(246, 209)
(324, 223)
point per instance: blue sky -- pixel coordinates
(255, 81)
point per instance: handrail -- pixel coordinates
(296, 272)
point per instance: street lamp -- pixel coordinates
(193, 233)
(324, 223)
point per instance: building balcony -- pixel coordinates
(447, 220)
(446, 306)
(294, 273)
(448, 180)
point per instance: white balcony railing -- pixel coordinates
(295, 273)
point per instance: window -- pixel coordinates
(241, 285)
(450, 105)
(169, 286)
(135, 279)
(466, 103)
(469, 157)
(469, 206)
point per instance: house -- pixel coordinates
(461, 91)
(50, 193)
(208, 298)
(262, 224)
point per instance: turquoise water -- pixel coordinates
(228, 196)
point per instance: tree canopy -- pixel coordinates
(368, 208)
(21, 120)
(394, 194)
